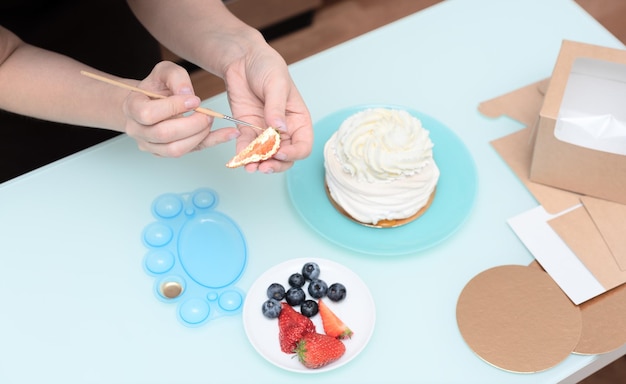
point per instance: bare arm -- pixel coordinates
(49, 86)
(258, 83)
(203, 32)
(43, 84)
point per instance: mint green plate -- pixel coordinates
(454, 199)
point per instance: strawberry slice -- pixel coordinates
(333, 326)
(316, 350)
(292, 326)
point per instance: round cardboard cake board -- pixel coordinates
(604, 321)
(516, 318)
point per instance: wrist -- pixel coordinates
(233, 46)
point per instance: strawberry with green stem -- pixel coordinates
(316, 350)
(292, 326)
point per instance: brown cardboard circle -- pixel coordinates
(517, 319)
(604, 323)
(535, 264)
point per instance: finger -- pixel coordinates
(173, 82)
(149, 112)
(296, 147)
(181, 147)
(171, 77)
(219, 136)
(175, 137)
(276, 93)
(252, 167)
(193, 140)
(274, 166)
(269, 166)
(170, 130)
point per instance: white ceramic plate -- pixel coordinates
(357, 311)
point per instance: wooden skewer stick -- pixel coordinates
(153, 95)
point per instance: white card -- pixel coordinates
(554, 255)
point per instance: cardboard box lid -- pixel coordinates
(570, 51)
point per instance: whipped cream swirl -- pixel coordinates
(379, 165)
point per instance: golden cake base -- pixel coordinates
(382, 223)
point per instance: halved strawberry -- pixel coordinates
(333, 326)
(292, 326)
(316, 350)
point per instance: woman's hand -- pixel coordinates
(260, 88)
(261, 91)
(168, 127)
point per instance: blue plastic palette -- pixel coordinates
(196, 255)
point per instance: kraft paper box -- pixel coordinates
(580, 138)
(594, 230)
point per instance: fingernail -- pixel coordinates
(280, 156)
(192, 102)
(280, 126)
(268, 171)
(185, 91)
(234, 135)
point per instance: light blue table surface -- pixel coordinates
(77, 306)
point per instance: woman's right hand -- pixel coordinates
(168, 127)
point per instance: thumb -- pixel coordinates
(276, 104)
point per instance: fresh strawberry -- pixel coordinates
(333, 326)
(292, 326)
(316, 350)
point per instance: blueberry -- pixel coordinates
(271, 308)
(276, 291)
(295, 296)
(296, 280)
(317, 288)
(311, 271)
(336, 292)
(309, 308)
